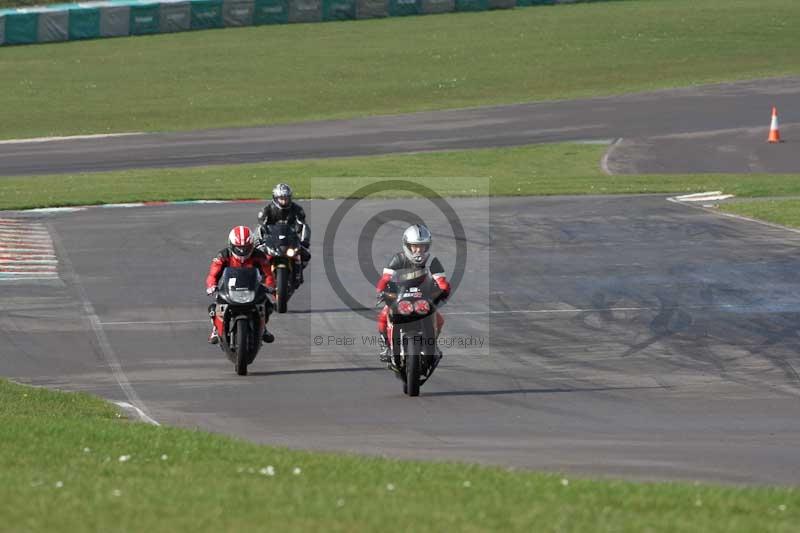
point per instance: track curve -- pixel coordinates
(625, 336)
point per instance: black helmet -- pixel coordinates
(282, 195)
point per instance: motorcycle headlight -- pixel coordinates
(242, 297)
(290, 252)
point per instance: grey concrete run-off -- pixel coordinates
(623, 337)
(715, 128)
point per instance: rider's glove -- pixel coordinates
(211, 290)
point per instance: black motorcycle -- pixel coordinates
(282, 243)
(412, 333)
(239, 315)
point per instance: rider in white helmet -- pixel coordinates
(411, 266)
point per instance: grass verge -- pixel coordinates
(542, 169)
(68, 463)
(785, 212)
(297, 72)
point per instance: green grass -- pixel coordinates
(785, 212)
(272, 74)
(60, 471)
(542, 169)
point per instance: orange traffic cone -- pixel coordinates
(774, 132)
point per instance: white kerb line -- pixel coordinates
(97, 327)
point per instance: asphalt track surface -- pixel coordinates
(622, 336)
(714, 128)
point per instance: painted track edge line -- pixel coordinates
(138, 412)
(103, 344)
(734, 216)
(604, 160)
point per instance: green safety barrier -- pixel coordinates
(305, 11)
(237, 12)
(402, 8)
(472, 5)
(175, 16)
(84, 23)
(145, 19)
(438, 6)
(206, 14)
(367, 9)
(271, 12)
(338, 9)
(115, 18)
(22, 28)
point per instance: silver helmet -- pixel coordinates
(282, 195)
(420, 235)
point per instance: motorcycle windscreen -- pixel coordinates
(288, 232)
(239, 279)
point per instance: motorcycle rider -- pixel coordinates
(283, 209)
(241, 252)
(410, 266)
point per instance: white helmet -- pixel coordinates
(417, 234)
(282, 195)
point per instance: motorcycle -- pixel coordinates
(411, 330)
(280, 241)
(239, 315)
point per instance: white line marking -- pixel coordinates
(19, 261)
(70, 138)
(141, 414)
(55, 209)
(604, 160)
(703, 197)
(591, 310)
(153, 322)
(21, 276)
(94, 321)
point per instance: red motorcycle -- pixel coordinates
(412, 333)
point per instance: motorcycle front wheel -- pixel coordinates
(242, 344)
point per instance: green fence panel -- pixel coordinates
(84, 23)
(145, 19)
(369, 9)
(438, 6)
(402, 8)
(305, 10)
(338, 9)
(22, 28)
(237, 12)
(206, 14)
(472, 5)
(502, 4)
(271, 12)
(526, 3)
